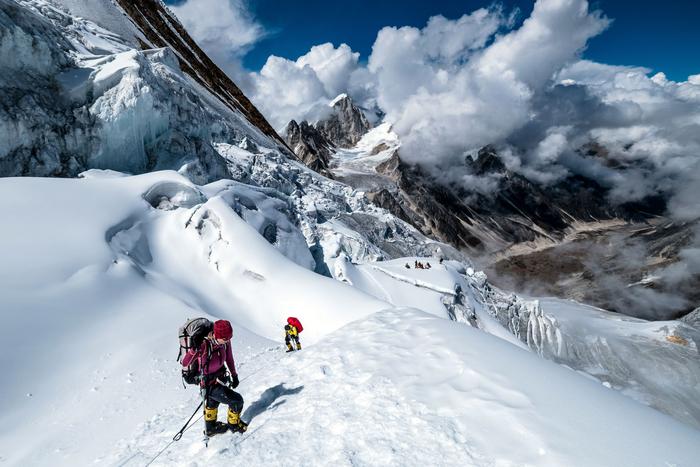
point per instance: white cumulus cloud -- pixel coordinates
(300, 89)
(458, 102)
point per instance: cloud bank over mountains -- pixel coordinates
(453, 86)
(287, 90)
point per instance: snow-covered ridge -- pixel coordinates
(337, 99)
(637, 357)
(403, 388)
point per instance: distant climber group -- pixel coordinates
(207, 361)
(418, 265)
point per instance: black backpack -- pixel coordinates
(192, 334)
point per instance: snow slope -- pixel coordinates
(408, 389)
(94, 281)
(99, 272)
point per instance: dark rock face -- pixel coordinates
(614, 264)
(310, 146)
(433, 209)
(517, 211)
(162, 29)
(314, 144)
(346, 125)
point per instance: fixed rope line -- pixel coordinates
(179, 434)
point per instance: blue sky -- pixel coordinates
(662, 36)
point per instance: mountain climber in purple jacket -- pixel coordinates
(213, 356)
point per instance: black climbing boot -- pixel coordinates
(211, 426)
(235, 424)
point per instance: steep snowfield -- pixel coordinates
(408, 389)
(99, 272)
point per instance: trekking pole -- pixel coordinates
(205, 389)
(178, 435)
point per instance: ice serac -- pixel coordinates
(32, 52)
(162, 29)
(655, 362)
(338, 222)
(84, 87)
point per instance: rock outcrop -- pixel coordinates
(310, 146)
(314, 143)
(346, 125)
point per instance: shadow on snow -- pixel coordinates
(267, 398)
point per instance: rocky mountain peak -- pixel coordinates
(310, 146)
(314, 143)
(486, 162)
(346, 125)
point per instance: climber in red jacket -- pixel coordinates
(213, 356)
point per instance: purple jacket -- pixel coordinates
(220, 354)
